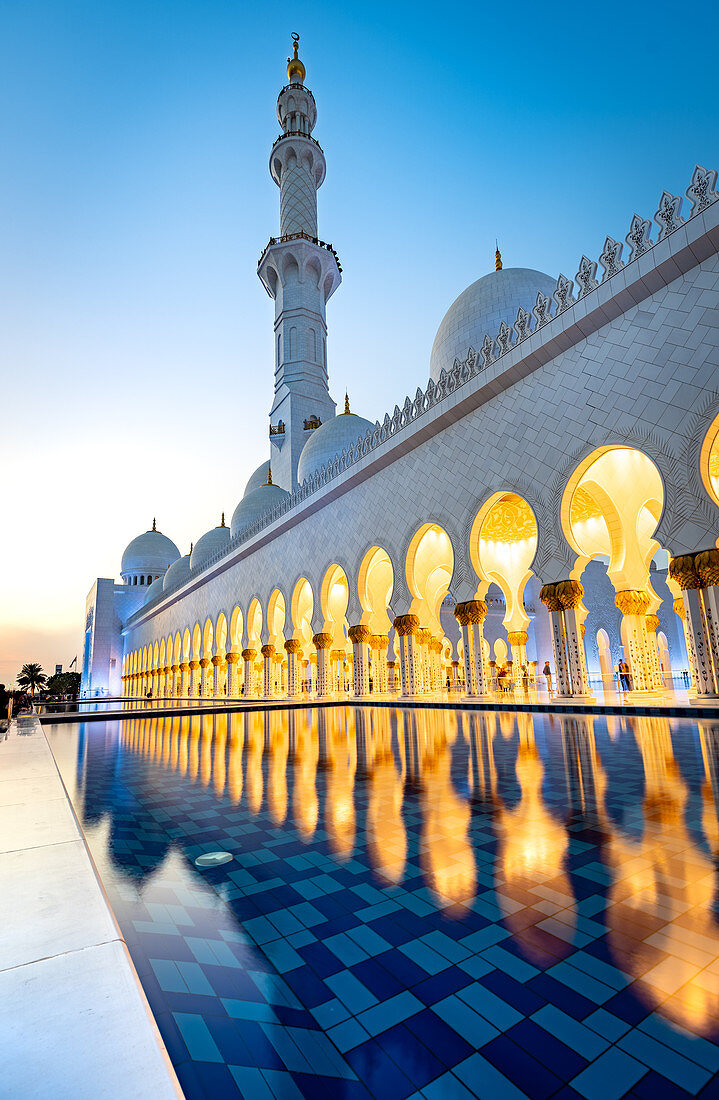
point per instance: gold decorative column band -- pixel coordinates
(194, 665)
(569, 593)
(249, 654)
(292, 645)
(232, 657)
(550, 599)
(322, 641)
(652, 623)
(174, 668)
(706, 563)
(217, 659)
(678, 606)
(337, 655)
(632, 602)
(424, 637)
(268, 651)
(378, 641)
(184, 667)
(406, 624)
(683, 570)
(472, 611)
(359, 634)
(517, 637)
(205, 662)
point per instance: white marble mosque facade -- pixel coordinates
(523, 507)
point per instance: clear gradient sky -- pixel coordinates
(135, 338)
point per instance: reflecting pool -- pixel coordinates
(419, 902)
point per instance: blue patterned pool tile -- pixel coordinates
(321, 1053)
(476, 966)
(508, 963)
(251, 1083)
(448, 1087)
(441, 985)
(515, 993)
(606, 1024)
(610, 1077)
(282, 955)
(416, 1060)
(575, 1035)
(320, 958)
(627, 1006)
(430, 961)
(557, 1056)
(346, 949)
(444, 945)
(212, 952)
(350, 990)
(378, 980)
(521, 1068)
(310, 989)
(197, 1038)
(368, 939)
(168, 976)
(692, 1046)
(493, 1008)
(378, 1071)
(261, 930)
(330, 1013)
(371, 913)
(390, 1012)
(249, 1010)
(465, 1021)
(602, 971)
(484, 937)
(556, 993)
(284, 1046)
(655, 1087)
(664, 1060)
(282, 1085)
(347, 1035)
(485, 1080)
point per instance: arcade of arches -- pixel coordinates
(303, 643)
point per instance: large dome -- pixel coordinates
(209, 544)
(254, 504)
(330, 439)
(151, 552)
(155, 588)
(177, 574)
(258, 479)
(481, 308)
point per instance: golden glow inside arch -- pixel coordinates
(276, 618)
(334, 597)
(429, 568)
(302, 608)
(374, 586)
(709, 461)
(254, 624)
(611, 508)
(503, 543)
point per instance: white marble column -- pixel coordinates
(322, 643)
(548, 596)
(407, 627)
(360, 637)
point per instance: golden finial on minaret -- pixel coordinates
(347, 402)
(294, 65)
(497, 259)
(192, 547)
(154, 525)
(269, 475)
(222, 524)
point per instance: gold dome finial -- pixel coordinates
(269, 476)
(192, 547)
(497, 259)
(347, 402)
(222, 524)
(294, 65)
(154, 525)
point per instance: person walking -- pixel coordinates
(547, 673)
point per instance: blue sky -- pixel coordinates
(135, 337)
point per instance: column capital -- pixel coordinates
(406, 624)
(550, 599)
(652, 623)
(174, 668)
(232, 657)
(682, 569)
(359, 633)
(217, 659)
(322, 641)
(632, 602)
(194, 665)
(569, 593)
(706, 563)
(337, 655)
(517, 637)
(205, 662)
(249, 654)
(292, 645)
(378, 641)
(678, 606)
(185, 667)
(268, 650)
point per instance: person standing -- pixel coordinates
(547, 673)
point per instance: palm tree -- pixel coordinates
(31, 676)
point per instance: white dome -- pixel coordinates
(254, 504)
(481, 308)
(151, 552)
(155, 588)
(177, 574)
(209, 544)
(330, 439)
(258, 479)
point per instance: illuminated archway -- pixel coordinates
(429, 566)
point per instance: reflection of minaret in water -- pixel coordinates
(300, 273)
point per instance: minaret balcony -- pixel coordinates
(306, 251)
(297, 133)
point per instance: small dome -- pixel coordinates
(156, 588)
(258, 479)
(481, 308)
(256, 504)
(151, 552)
(177, 574)
(330, 439)
(209, 544)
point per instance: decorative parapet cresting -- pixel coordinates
(701, 193)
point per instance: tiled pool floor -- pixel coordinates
(420, 903)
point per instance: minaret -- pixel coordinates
(300, 273)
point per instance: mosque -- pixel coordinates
(552, 494)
